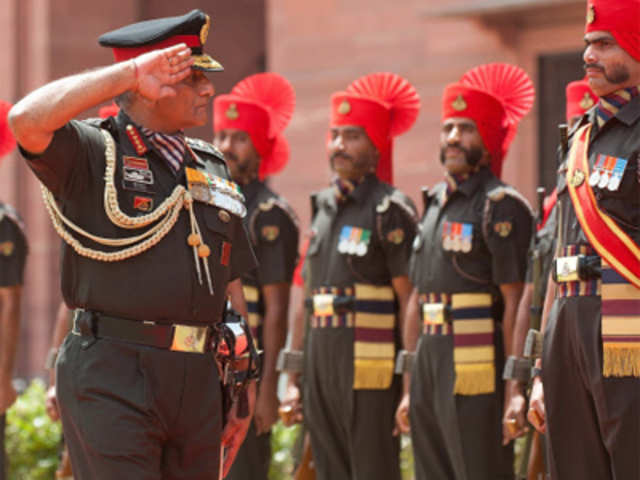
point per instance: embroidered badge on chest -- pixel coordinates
(136, 174)
(354, 241)
(143, 204)
(217, 191)
(457, 236)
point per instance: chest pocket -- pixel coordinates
(218, 221)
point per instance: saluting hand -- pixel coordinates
(157, 71)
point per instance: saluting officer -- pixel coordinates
(13, 255)
(357, 271)
(153, 237)
(248, 124)
(468, 269)
(591, 353)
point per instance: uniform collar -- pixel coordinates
(361, 192)
(469, 186)
(251, 189)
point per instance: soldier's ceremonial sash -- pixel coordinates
(612, 244)
(620, 325)
(473, 344)
(374, 345)
(252, 297)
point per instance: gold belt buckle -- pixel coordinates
(567, 269)
(433, 313)
(323, 305)
(189, 338)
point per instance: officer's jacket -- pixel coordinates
(474, 240)
(13, 247)
(381, 223)
(619, 137)
(159, 284)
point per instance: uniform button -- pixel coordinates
(224, 216)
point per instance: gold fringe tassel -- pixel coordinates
(620, 361)
(475, 379)
(369, 374)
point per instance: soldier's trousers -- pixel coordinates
(351, 430)
(130, 411)
(455, 437)
(593, 423)
(254, 457)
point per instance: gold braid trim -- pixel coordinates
(168, 211)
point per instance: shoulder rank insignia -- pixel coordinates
(503, 229)
(268, 205)
(270, 232)
(202, 146)
(499, 193)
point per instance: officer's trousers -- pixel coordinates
(254, 457)
(593, 422)
(131, 411)
(455, 437)
(351, 430)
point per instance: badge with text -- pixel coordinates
(354, 241)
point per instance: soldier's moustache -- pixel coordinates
(617, 73)
(472, 155)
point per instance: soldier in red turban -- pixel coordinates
(591, 359)
(356, 267)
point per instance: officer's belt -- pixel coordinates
(577, 271)
(180, 338)
(468, 317)
(331, 307)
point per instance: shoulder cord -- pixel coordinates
(168, 211)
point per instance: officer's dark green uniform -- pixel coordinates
(460, 436)
(588, 414)
(273, 230)
(13, 255)
(351, 429)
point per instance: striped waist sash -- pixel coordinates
(466, 316)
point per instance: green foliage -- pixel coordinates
(32, 439)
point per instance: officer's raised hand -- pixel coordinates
(158, 70)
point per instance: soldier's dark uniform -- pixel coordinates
(351, 429)
(132, 410)
(273, 230)
(591, 417)
(13, 255)
(459, 437)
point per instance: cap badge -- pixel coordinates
(591, 15)
(587, 102)
(232, 112)
(344, 107)
(577, 178)
(459, 104)
(204, 31)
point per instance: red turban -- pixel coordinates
(580, 98)
(621, 18)
(385, 105)
(495, 96)
(7, 140)
(261, 105)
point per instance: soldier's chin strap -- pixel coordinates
(238, 360)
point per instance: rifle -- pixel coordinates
(532, 462)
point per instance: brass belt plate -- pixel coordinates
(433, 313)
(567, 269)
(188, 338)
(323, 305)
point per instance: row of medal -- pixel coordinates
(608, 172)
(354, 241)
(457, 237)
(216, 191)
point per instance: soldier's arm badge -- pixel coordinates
(270, 232)
(396, 236)
(7, 248)
(503, 229)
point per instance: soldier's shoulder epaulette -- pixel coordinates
(500, 192)
(396, 197)
(204, 147)
(10, 213)
(281, 204)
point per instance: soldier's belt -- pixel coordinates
(466, 316)
(577, 272)
(370, 310)
(179, 338)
